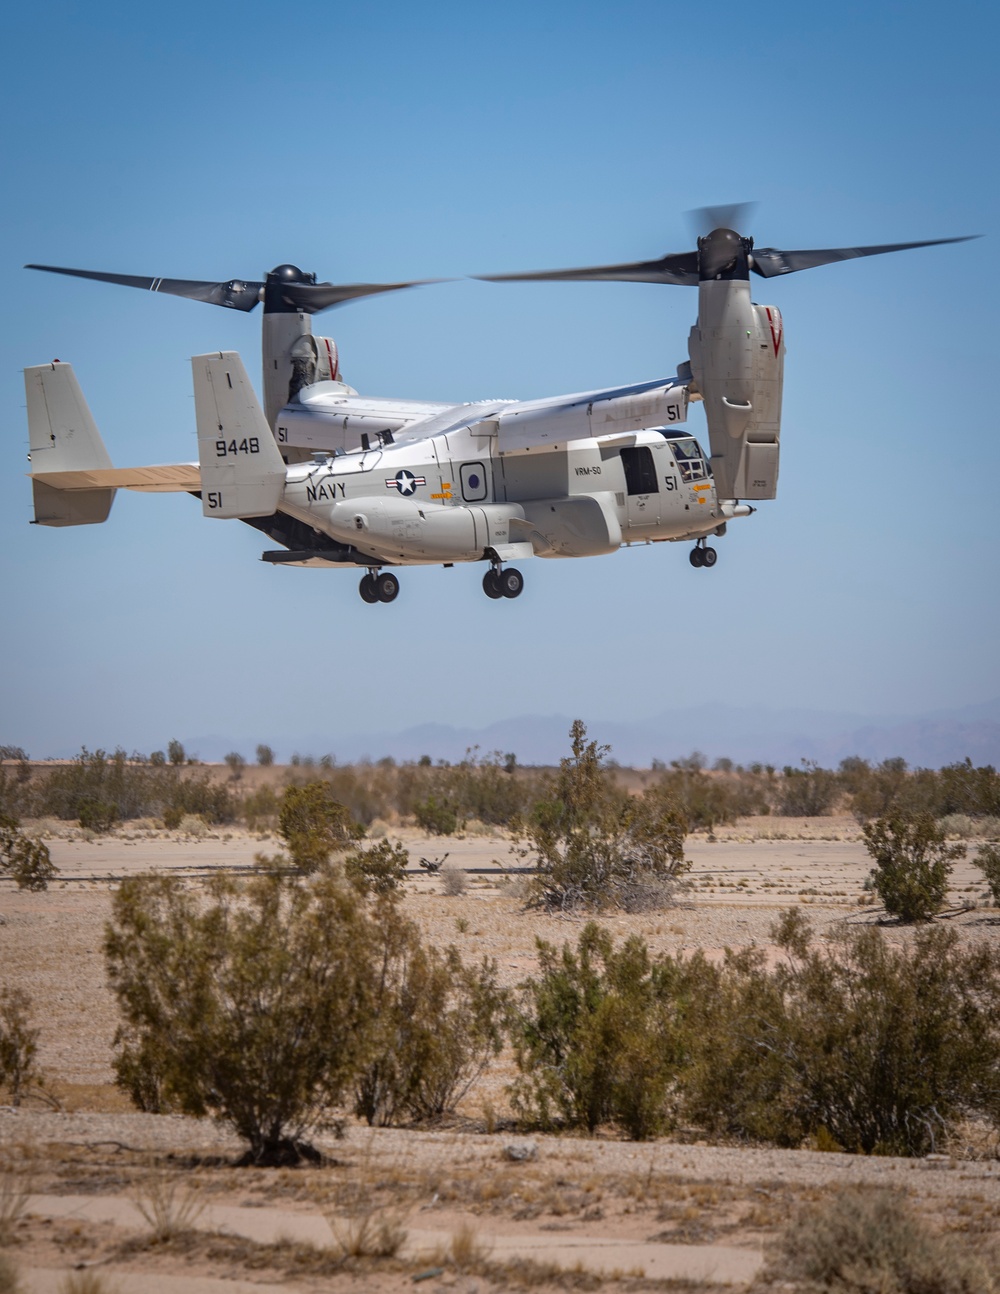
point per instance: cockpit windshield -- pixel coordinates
(689, 458)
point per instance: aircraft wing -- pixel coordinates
(171, 478)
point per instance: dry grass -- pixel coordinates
(87, 1283)
(871, 1242)
(168, 1204)
(9, 1282)
(16, 1181)
(369, 1233)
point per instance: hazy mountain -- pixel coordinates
(744, 735)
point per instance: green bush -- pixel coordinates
(96, 816)
(265, 755)
(988, 861)
(875, 1048)
(437, 1024)
(808, 792)
(313, 823)
(379, 869)
(591, 840)
(252, 1007)
(436, 817)
(18, 1044)
(912, 864)
(602, 1034)
(23, 858)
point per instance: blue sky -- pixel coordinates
(384, 141)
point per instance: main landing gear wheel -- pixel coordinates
(709, 557)
(491, 585)
(367, 588)
(386, 587)
(510, 582)
(694, 557)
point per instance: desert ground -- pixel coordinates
(483, 1206)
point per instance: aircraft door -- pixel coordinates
(641, 486)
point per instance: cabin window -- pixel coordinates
(640, 473)
(690, 459)
(473, 478)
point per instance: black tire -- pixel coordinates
(696, 557)
(367, 589)
(491, 586)
(511, 582)
(709, 557)
(387, 587)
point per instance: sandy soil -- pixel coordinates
(663, 1208)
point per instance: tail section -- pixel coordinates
(242, 471)
(64, 438)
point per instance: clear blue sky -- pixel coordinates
(388, 140)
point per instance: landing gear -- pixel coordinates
(491, 585)
(498, 583)
(701, 555)
(379, 586)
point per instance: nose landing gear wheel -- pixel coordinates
(491, 586)
(386, 587)
(510, 582)
(367, 588)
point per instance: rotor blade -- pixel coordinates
(732, 216)
(236, 294)
(680, 268)
(314, 297)
(770, 262)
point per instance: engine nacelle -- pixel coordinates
(401, 529)
(737, 362)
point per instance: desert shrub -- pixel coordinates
(967, 789)
(379, 869)
(988, 861)
(707, 802)
(436, 817)
(437, 1024)
(122, 787)
(176, 752)
(879, 1049)
(602, 1034)
(958, 824)
(97, 816)
(807, 792)
(871, 1242)
(313, 823)
(250, 1006)
(18, 1044)
(235, 762)
(18, 791)
(590, 839)
(260, 808)
(453, 880)
(23, 858)
(912, 864)
(265, 755)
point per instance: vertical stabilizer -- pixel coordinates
(242, 472)
(63, 438)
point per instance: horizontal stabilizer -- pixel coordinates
(170, 478)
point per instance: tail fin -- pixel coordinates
(242, 471)
(63, 437)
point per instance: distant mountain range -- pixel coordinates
(743, 734)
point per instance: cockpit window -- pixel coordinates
(689, 458)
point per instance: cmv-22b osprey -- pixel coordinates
(344, 480)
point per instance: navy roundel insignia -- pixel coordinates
(405, 482)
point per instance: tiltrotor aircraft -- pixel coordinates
(344, 480)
